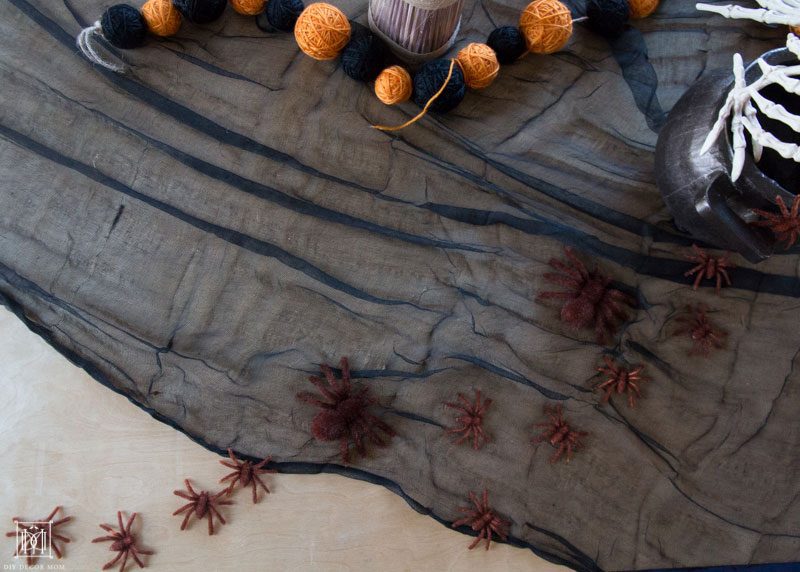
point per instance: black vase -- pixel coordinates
(698, 189)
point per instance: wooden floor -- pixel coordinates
(67, 440)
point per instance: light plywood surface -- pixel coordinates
(65, 439)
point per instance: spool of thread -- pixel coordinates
(123, 26)
(322, 31)
(248, 7)
(479, 64)
(642, 8)
(200, 11)
(416, 30)
(161, 17)
(393, 85)
(546, 25)
(608, 17)
(508, 43)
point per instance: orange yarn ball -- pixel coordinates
(479, 64)
(393, 85)
(322, 31)
(642, 8)
(546, 25)
(795, 30)
(161, 17)
(248, 7)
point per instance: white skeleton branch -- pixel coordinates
(786, 12)
(743, 102)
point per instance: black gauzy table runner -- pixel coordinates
(202, 233)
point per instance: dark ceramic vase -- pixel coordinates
(697, 188)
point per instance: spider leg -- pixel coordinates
(184, 495)
(217, 513)
(557, 264)
(257, 479)
(185, 519)
(55, 548)
(210, 518)
(105, 539)
(555, 296)
(488, 537)
(344, 365)
(562, 280)
(110, 563)
(136, 557)
(577, 262)
(50, 516)
(344, 449)
(108, 528)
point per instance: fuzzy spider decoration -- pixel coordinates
(709, 267)
(124, 542)
(33, 530)
(743, 115)
(202, 504)
(482, 519)
(786, 225)
(470, 420)
(705, 335)
(344, 414)
(559, 434)
(786, 12)
(246, 473)
(620, 380)
(589, 299)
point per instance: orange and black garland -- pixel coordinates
(323, 32)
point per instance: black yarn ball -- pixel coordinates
(282, 14)
(430, 78)
(508, 43)
(608, 17)
(123, 26)
(364, 56)
(200, 11)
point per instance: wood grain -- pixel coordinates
(202, 233)
(89, 450)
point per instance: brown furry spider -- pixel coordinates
(705, 335)
(202, 504)
(589, 299)
(122, 541)
(33, 528)
(620, 380)
(344, 414)
(246, 473)
(559, 434)
(786, 225)
(709, 267)
(483, 520)
(470, 420)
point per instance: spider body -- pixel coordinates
(470, 420)
(559, 433)
(344, 413)
(786, 225)
(124, 542)
(705, 335)
(29, 527)
(246, 474)
(482, 519)
(589, 300)
(709, 268)
(202, 504)
(620, 380)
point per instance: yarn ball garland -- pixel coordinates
(161, 17)
(430, 79)
(364, 55)
(200, 11)
(608, 17)
(479, 64)
(123, 26)
(248, 7)
(546, 25)
(322, 31)
(508, 43)
(393, 85)
(283, 14)
(642, 8)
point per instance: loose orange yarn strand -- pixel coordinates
(422, 113)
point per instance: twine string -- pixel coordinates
(422, 113)
(86, 43)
